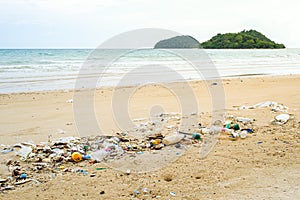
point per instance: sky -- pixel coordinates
(88, 23)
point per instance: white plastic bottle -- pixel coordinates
(173, 139)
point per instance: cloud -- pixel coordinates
(101, 19)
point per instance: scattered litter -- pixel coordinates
(194, 113)
(24, 151)
(7, 188)
(281, 119)
(276, 107)
(86, 157)
(139, 119)
(235, 134)
(23, 176)
(66, 154)
(5, 151)
(99, 155)
(76, 157)
(102, 192)
(244, 120)
(136, 192)
(196, 136)
(232, 137)
(100, 168)
(70, 101)
(23, 182)
(173, 194)
(249, 130)
(173, 139)
(3, 180)
(145, 190)
(60, 131)
(84, 172)
(243, 134)
(236, 127)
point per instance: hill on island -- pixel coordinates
(177, 42)
(243, 40)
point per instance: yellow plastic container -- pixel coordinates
(76, 157)
(156, 142)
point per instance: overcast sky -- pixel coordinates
(88, 23)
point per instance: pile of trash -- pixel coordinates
(41, 162)
(235, 127)
(37, 161)
(275, 107)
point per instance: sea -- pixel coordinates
(30, 70)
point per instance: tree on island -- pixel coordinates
(243, 40)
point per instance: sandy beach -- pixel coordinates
(265, 165)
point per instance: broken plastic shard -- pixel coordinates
(243, 119)
(24, 151)
(3, 180)
(65, 140)
(99, 155)
(22, 182)
(243, 134)
(273, 105)
(60, 131)
(282, 118)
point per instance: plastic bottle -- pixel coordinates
(99, 155)
(204, 130)
(243, 134)
(218, 129)
(215, 130)
(196, 136)
(236, 127)
(86, 157)
(173, 139)
(226, 130)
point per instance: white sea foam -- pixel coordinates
(51, 69)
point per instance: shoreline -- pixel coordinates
(226, 78)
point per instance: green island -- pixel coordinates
(250, 39)
(183, 41)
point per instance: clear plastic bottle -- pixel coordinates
(99, 155)
(217, 129)
(173, 139)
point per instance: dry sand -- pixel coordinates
(241, 169)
